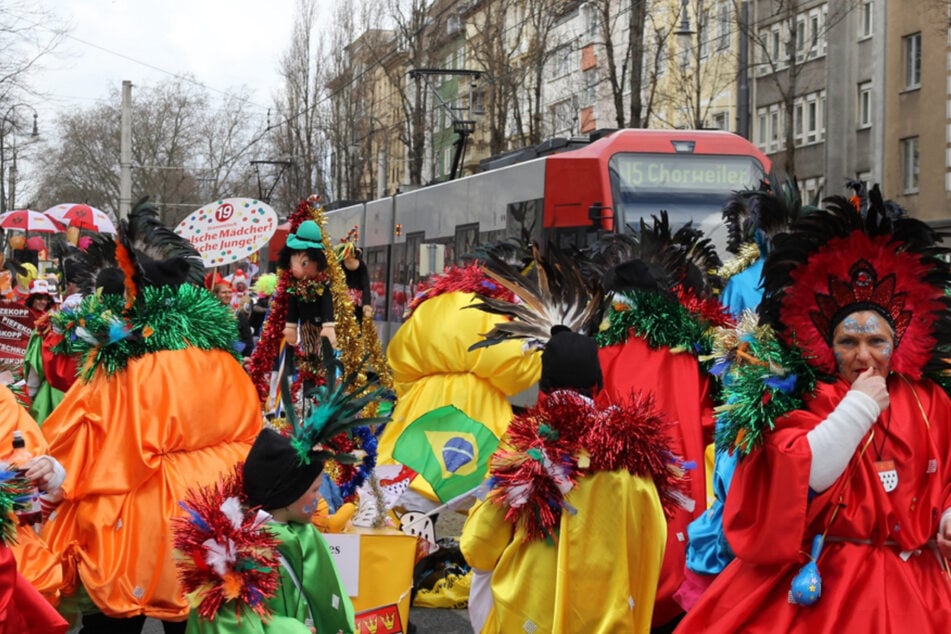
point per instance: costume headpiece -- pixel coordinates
(265, 284)
(307, 236)
(837, 261)
(40, 287)
(756, 215)
(239, 277)
(214, 279)
(554, 293)
(348, 245)
(279, 469)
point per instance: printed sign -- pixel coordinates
(686, 172)
(346, 553)
(229, 230)
(16, 326)
(382, 620)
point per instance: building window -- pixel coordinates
(590, 86)
(865, 19)
(563, 116)
(865, 104)
(761, 136)
(911, 46)
(562, 62)
(723, 26)
(719, 121)
(909, 164)
(797, 122)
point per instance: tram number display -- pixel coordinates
(685, 172)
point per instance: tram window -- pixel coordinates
(376, 261)
(522, 217)
(467, 238)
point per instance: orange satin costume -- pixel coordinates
(34, 559)
(132, 443)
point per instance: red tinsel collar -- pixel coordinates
(468, 279)
(858, 272)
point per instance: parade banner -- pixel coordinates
(16, 326)
(229, 229)
(382, 620)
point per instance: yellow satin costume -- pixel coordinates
(432, 367)
(35, 561)
(600, 575)
(132, 443)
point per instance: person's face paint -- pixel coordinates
(303, 508)
(860, 341)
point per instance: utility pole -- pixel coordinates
(125, 152)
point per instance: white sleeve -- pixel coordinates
(834, 440)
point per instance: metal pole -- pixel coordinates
(125, 152)
(3, 191)
(743, 80)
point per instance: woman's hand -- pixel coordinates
(872, 384)
(944, 535)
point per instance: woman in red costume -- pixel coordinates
(840, 507)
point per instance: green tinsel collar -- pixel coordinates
(659, 319)
(163, 318)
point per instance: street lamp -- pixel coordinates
(684, 32)
(3, 130)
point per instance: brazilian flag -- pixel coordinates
(449, 449)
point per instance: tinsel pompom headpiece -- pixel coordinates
(837, 261)
(462, 279)
(224, 552)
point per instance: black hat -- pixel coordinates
(274, 476)
(570, 361)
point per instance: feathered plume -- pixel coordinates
(337, 408)
(757, 215)
(556, 294)
(162, 255)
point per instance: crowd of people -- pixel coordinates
(757, 446)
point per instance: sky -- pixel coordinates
(225, 44)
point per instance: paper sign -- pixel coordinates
(382, 620)
(229, 230)
(346, 553)
(16, 326)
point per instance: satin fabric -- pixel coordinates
(432, 367)
(870, 588)
(47, 397)
(132, 444)
(307, 553)
(682, 392)
(35, 561)
(600, 575)
(22, 609)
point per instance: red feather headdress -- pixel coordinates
(836, 262)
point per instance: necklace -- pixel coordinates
(887, 472)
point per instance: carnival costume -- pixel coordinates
(658, 323)
(35, 561)
(572, 530)
(433, 365)
(145, 421)
(879, 569)
(23, 610)
(753, 218)
(281, 575)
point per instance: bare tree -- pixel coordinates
(186, 151)
(541, 17)
(28, 33)
(620, 34)
(297, 140)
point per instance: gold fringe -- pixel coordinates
(748, 254)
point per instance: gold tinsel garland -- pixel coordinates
(747, 255)
(371, 340)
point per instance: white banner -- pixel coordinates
(345, 549)
(229, 229)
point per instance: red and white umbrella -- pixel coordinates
(29, 220)
(81, 216)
